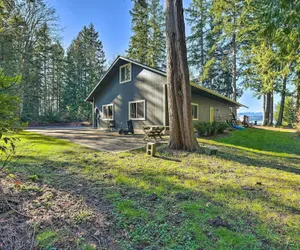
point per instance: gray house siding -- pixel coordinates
(145, 85)
(149, 84)
(221, 109)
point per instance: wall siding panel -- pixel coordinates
(145, 85)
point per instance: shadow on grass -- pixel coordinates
(42, 139)
(259, 161)
(94, 188)
(263, 140)
(182, 212)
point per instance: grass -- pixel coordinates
(246, 197)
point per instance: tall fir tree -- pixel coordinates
(148, 43)
(85, 65)
(58, 76)
(138, 45)
(197, 18)
(228, 15)
(157, 39)
(209, 52)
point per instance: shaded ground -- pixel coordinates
(246, 197)
(93, 138)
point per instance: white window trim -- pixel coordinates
(113, 112)
(129, 111)
(123, 66)
(196, 119)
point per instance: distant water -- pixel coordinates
(259, 122)
(254, 117)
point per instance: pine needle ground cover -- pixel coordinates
(66, 195)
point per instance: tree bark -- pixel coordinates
(264, 122)
(267, 109)
(202, 39)
(271, 109)
(283, 95)
(234, 66)
(298, 92)
(179, 90)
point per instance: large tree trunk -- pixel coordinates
(271, 110)
(202, 39)
(267, 109)
(179, 90)
(281, 110)
(234, 66)
(298, 92)
(264, 122)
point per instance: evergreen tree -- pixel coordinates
(261, 75)
(84, 67)
(58, 76)
(198, 19)
(289, 115)
(209, 52)
(148, 43)
(157, 39)
(138, 46)
(228, 15)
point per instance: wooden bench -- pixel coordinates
(153, 132)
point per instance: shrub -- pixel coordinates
(202, 128)
(221, 127)
(210, 128)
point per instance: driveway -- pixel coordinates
(94, 138)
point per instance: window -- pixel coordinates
(137, 110)
(195, 111)
(107, 112)
(125, 73)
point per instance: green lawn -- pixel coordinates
(246, 197)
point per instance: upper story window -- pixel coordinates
(125, 73)
(137, 110)
(107, 112)
(195, 111)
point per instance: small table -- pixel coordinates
(153, 131)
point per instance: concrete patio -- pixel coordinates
(94, 138)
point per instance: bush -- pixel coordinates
(221, 127)
(210, 128)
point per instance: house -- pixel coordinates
(131, 90)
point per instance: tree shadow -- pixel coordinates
(93, 188)
(103, 182)
(263, 140)
(259, 161)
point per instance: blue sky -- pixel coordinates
(113, 22)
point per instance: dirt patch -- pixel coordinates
(219, 222)
(37, 216)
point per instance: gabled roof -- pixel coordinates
(89, 98)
